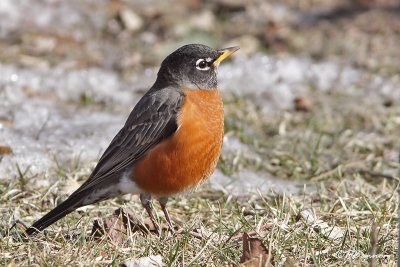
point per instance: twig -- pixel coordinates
(42, 127)
(351, 167)
(334, 170)
(372, 250)
(377, 174)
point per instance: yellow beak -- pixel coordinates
(224, 53)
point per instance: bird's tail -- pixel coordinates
(89, 193)
(66, 207)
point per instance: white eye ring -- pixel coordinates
(202, 64)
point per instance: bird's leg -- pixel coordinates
(146, 203)
(163, 203)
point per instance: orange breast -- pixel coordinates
(191, 153)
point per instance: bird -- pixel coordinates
(170, 143)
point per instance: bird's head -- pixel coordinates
(193, 66)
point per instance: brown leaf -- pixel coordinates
(303, 103)
(255, 253)
(116, 226)
(5, 150)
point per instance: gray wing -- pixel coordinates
(152, 120)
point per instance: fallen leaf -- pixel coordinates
(255, 253)
(5, 122)
(5, 150)
(303, 103)
(119, 224)
(262, 228)
(388, 103)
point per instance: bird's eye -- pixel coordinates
(202, 64)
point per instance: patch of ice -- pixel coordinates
(43, 127)
(273, 83)
(98, 84)
(42, 133)
(245, 182)
(82, 16)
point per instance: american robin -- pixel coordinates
(170, 142)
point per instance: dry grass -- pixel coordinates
(350, 160)
(346, 149)
(340, 234)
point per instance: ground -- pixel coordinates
(311, 158)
